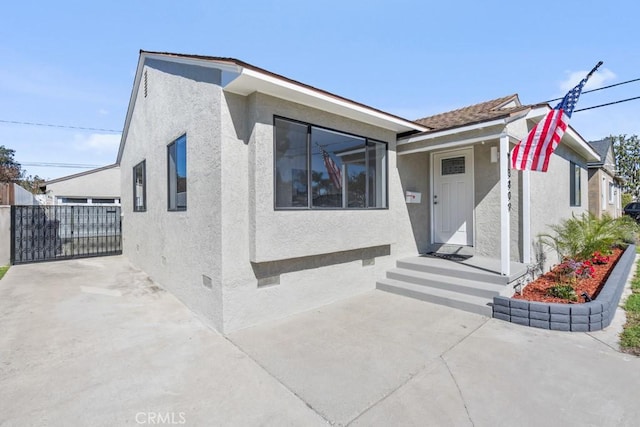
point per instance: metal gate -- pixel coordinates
(47, 233)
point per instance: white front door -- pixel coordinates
(453, 197)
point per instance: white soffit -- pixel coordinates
(571, 137)
(249, 81)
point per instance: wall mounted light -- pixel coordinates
(494, 154)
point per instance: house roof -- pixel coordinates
(498, 108)
(602, 148)
(243, 78)
(76, 175)
(486, 114)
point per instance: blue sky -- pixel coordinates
(73, 62)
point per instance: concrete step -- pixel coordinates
(451, 269)
(460, 301)
(446, 282)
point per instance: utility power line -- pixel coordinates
(608, 103)
(16, 122)
(600, 88)
(60, 165)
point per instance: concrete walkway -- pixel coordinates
(95, 342)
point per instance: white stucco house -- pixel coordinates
(100, 186)
(252, 196)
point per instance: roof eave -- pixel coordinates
(244, 79)
(572, 137)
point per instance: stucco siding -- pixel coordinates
(550, 196)
(279, 262)
(100, 184)
(285, 234)
(415, 172)
(179, 250)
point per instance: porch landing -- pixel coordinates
(468, 284)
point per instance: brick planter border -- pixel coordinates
(585, 317)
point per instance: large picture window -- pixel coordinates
(325, 169)
(177, 174)
(575, 189)
(139, 187)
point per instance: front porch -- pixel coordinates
(467, 284)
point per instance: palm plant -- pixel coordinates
(580, 236)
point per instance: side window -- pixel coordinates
(139, 187)
(575, 176)
(177, 174)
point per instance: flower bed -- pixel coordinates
(579, 317)
(588, 280)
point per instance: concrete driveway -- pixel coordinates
(95, 342)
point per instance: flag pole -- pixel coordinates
(594, 69)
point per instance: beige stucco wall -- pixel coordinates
(103, 183)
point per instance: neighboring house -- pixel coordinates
(252, 196)
(604, 185)
(99, 186)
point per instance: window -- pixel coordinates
(316, 167)
(139, 187)
(73, 200)
(612, 193)
(575, 174)
(453, 166)
(103, 201)
(177, 171)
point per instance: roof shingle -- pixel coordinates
(477, 113)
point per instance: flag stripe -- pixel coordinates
(535, 150)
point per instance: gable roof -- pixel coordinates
(243, 78)
(496, 112)
(601, 147)
(498, 108)
(77, 175)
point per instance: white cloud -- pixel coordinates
(103, 112)
(98, 143)
(598, 79)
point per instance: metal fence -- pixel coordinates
(47, 233)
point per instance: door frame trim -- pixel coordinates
(473, 193)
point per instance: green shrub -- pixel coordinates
(626, 199)
(563, 291)
(580, 236)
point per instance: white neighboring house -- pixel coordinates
(99, 186)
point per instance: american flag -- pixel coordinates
(534, 151)
(332, 168)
